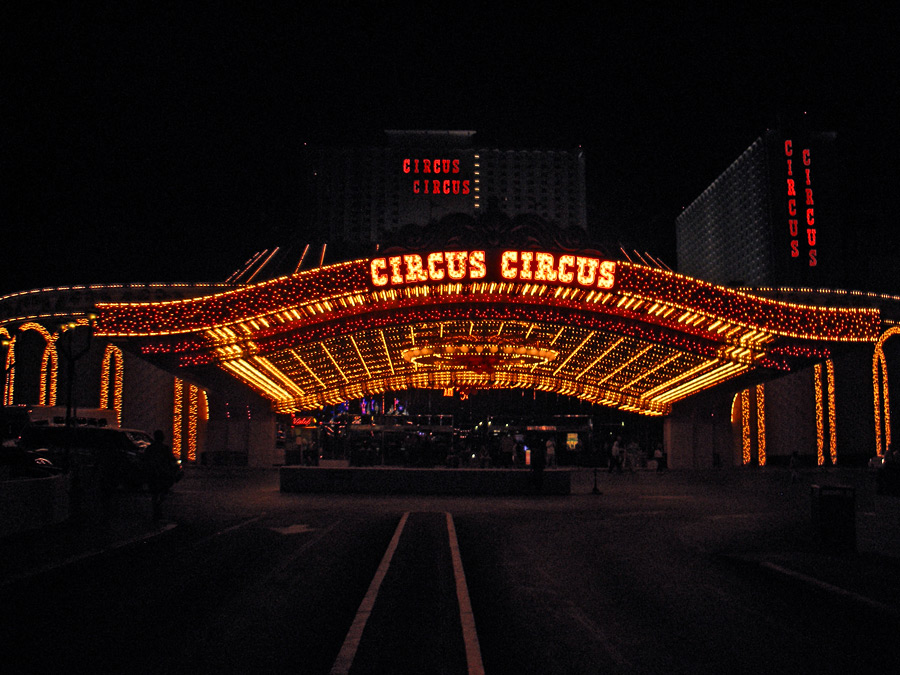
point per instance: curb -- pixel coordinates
(87, 555)
(782, 572)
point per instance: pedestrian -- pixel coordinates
(551, 453)
(632, 450)
(538, 464)
(615, 459)
(658, 457)
(507, 450)
(794, 464)
(160, 464)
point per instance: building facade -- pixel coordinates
(418, 177)
(771, 219)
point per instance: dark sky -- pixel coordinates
(163, 144)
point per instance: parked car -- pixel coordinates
(16, 462)
(117, 453)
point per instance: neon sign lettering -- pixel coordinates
(808, 202)
(450, 266)
(436, 186)
(438, 266)
(430, 166)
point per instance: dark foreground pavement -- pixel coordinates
(790, 542)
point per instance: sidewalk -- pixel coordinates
(30, 554)
(788, 544)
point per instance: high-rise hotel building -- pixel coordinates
(772, 219)
(418, 177)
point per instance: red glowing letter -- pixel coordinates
(379, 278)
(477, 268)
(795, 251)
(806, 159)
(507, 264)
(587, 270)
(788, 148)
(434, 272)
(545, 269)
(525, 272)
(414, 271)
(811, 235)
(792, 207)
(396, 276)
(566, 265)
(791, 192)
(810, 218)
(456, 264)
(607, 274)
(809, 199)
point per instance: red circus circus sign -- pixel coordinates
(527, 266)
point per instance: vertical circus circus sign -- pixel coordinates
(458, 266)
(800, 199)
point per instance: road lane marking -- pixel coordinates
(466, 616)
(237, 526)
(299, 528)
(354, 635)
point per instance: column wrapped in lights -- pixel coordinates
(820, 416)
(10, 371)
(176, 418)
(745, 425)
(880, 386)
(112, 361)
(761, 423)
(832, 412)
(49, 370)
(192, 423)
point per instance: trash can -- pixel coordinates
(834, 517)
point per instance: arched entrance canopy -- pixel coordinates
(609, 332)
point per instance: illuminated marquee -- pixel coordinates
(447, 266)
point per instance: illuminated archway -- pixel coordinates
(9, 364)
(112, 372)
(190, 407)
(743, 405)
(49, 366)
(881, 394)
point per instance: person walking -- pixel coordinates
(551, 453)
(160, 464)
(615, 460)
(538, 464)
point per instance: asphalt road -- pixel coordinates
(629, 581)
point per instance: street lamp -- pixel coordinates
(72, 351)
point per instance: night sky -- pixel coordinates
(163, 144)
